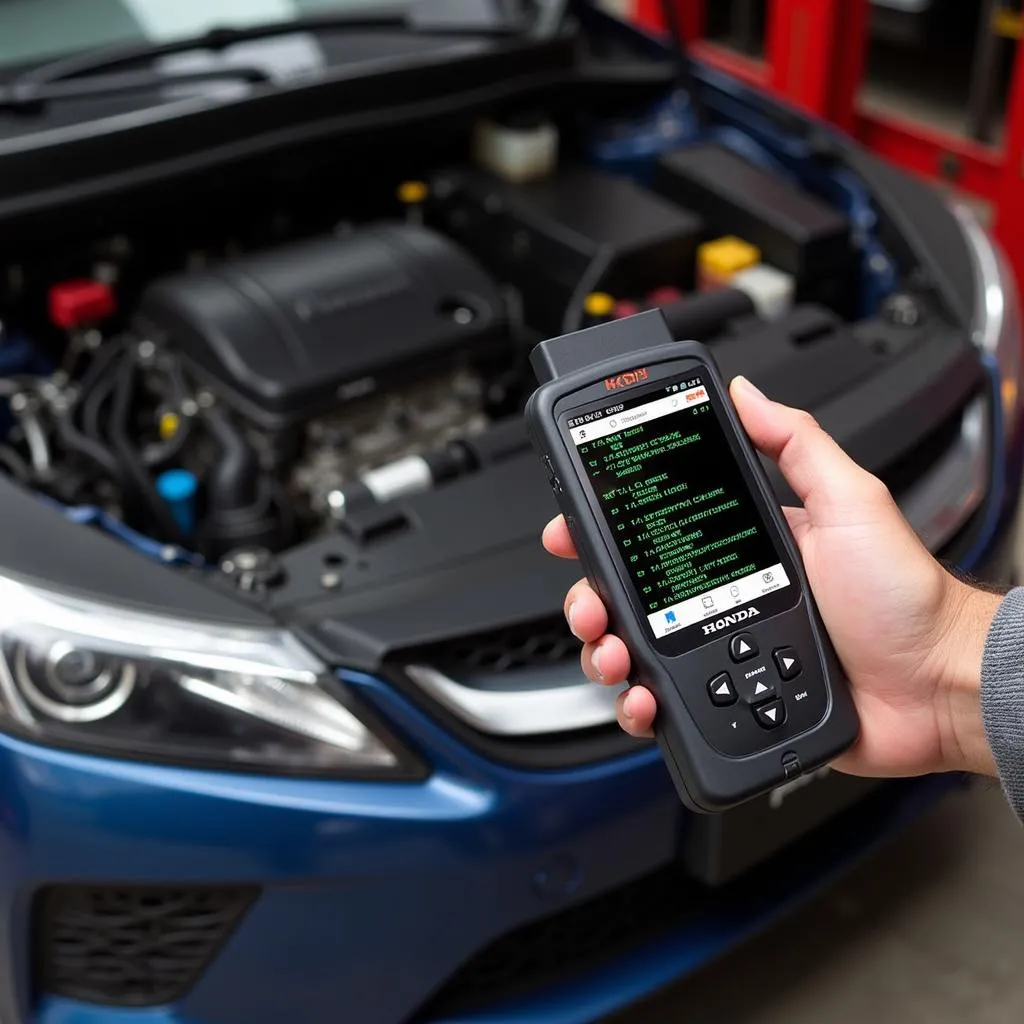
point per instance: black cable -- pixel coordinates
(131, 464)
(93, 450)
(590, 282)
(100, 361)
(94, 402)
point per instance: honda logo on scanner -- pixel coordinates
(730, 620)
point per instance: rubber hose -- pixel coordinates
(131, 464)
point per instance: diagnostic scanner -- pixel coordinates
(679, 531)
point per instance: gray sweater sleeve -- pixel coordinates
(1002, 695)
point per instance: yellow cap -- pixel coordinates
(598, 304)
(727, 256)
(412, 192)
(169, 424)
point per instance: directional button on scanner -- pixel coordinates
(787, 662)
(756, 686)
(742, 646)
(771, 715)
(721, 690)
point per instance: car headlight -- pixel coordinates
(997, 314)
(120, 682)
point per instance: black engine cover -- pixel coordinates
(288, 333)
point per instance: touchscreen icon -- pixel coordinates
(767, 577)
(670, 616)
(734, 590)
(708, 602)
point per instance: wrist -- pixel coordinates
(960, 645)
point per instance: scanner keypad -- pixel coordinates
(759, 699)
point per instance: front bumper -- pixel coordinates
(371, 896)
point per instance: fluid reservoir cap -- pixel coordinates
(412, 192)
(178, 488)
(725, 256)
(169, 424)
(175, 485)
(598, 304)
(76, 303)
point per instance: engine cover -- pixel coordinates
(288, 333)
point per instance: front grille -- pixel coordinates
(539, 643)
(582, 939)
(570, 942)
(130, 945)
(533, 644)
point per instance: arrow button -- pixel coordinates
(787, 662)
(742, 646)
(756, 684)
(721, 691)
(771, 715)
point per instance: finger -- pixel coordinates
(636, 710)
(557, 540)
(799, 521)
(585, 612)
(821, 474)
(606, 661)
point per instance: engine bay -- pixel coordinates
(220, 390)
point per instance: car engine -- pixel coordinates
(251, 393)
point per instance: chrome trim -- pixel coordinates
(989, 298)
(543, 702)
(953, 489)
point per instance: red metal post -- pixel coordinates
(1009, 213)
(940, 156)
(815, 49)
(650, 15)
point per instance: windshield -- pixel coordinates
(36, 30)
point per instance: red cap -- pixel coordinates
(76, 303)
(664, 296)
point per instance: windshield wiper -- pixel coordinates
(60, 79)
(25, 97)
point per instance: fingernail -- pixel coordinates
(595, 660)
(626, 713)
(752, 389)
(569, 615)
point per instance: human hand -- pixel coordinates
(909, 634)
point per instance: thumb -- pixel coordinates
(822, 475)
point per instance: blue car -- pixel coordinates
(291, 726)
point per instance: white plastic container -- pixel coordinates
(770, 289)
(516, 154)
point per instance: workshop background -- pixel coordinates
(930, 929)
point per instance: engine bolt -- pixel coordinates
(19, 402)
(902, 310)
(189, 407)
(254, 570)
(146, 350)
(330, 581)
(205, 399)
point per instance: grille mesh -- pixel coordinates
(527, 645)
(130, 945)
